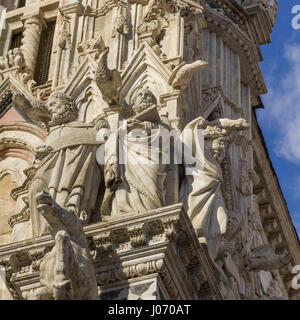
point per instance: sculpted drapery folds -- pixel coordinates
(143, 69)
(67, 167)
(134, 182)
(203, 199)
(201, 191)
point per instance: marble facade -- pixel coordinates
(76, 76)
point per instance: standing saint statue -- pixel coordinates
(67, 167)
(133, 173)
(203, 198)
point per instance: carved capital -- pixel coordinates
(23, 216)
(137, 235)
(91, 47)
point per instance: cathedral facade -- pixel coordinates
(132, 164)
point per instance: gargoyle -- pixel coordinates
(264, 258)
(34, 109)
(184, 73)
(108, 81)
(66, 272)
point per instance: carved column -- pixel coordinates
(30, 41)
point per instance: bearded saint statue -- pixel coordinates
(135, 181)
(66, 164)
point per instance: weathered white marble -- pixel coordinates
(117, 67)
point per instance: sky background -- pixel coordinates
(280, 120)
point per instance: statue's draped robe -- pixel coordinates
(141, 186)
(201, 194)
(69, 172)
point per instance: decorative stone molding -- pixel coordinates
(121, 23)
(23, 216)
(241, 43)
(161, 236)
(137, 235)
(213, 100)
(92, 47)
(64, 36)
(116, 274)
(153, 23)
(22, 191)
(5, 93)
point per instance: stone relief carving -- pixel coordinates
(274, 291)
(92, 47)
(245, 179)
(64, 38)
(14, 58)
(185, 8)
(12, 65)
(254, 220)
(153, 23)
(121, 22)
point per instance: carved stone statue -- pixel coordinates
(66, 164)
(135, 185)
(202, 195)
(205, 203)
(67, 271)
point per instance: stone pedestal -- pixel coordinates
(152, 256)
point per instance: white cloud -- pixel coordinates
(283, 105)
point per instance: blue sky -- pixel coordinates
(280, 120)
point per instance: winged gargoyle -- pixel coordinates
(108, 81)
(34, 109)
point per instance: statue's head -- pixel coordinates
(62, 108)
(219, 149)
(234, 224)
(142, 99)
